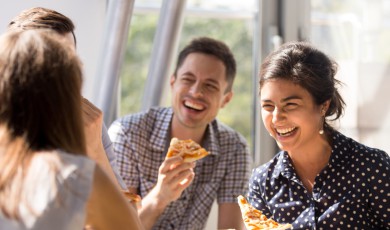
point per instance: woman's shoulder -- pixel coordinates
(70, 158)
(54, 176)
(76, 164)
(63, 165)
(349, 144)
(355, 151)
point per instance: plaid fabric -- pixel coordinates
(141, 142)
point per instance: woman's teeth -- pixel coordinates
(285, 132)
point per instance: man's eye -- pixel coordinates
(267, 107)
(186, 80)
(211, 87)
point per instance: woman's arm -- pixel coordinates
(107, 207)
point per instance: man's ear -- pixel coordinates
(172, 80)
(226, 98)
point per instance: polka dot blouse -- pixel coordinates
(352, 192)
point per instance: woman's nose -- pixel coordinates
(277, 116)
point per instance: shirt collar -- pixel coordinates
(341, 150)
(283, 165)
(210, 141)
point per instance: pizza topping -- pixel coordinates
(254, 219)
(187, 149)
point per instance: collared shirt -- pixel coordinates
(351, 192)
(141, 142)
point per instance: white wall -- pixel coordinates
(88, 17)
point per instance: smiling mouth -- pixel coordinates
(194, 106)
(286, 132)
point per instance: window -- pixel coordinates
(225, 20)
(356, 35)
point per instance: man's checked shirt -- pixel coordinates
(141, 142)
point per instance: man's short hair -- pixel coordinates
(212, 47)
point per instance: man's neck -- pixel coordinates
(182, 132)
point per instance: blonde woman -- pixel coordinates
(46, 180)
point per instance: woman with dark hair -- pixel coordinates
(321, 179)
(46, 180)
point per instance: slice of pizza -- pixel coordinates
(254, 219)
(131, 197)
(188, 149)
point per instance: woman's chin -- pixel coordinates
(282, 147)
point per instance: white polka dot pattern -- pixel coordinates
(352, 192)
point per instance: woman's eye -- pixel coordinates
(291, 105)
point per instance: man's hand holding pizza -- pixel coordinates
(174, 176)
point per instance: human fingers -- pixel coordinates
(174, 176)
(90, 110)
(170, 163)
(168, 182)
(184, 179)
(172, 188)
(181, 167)
(86, 105)
(167, 173)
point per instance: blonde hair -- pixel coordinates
(40, 106)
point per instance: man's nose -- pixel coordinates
(196, 90)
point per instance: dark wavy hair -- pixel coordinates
(313, 70)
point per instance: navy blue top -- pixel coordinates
(351, 192)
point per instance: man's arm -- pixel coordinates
(109, 150)
(93, 126)
(229, 216)
(235, 182)
(174, 176)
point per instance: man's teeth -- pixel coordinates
(285, 131)
(193, 105)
